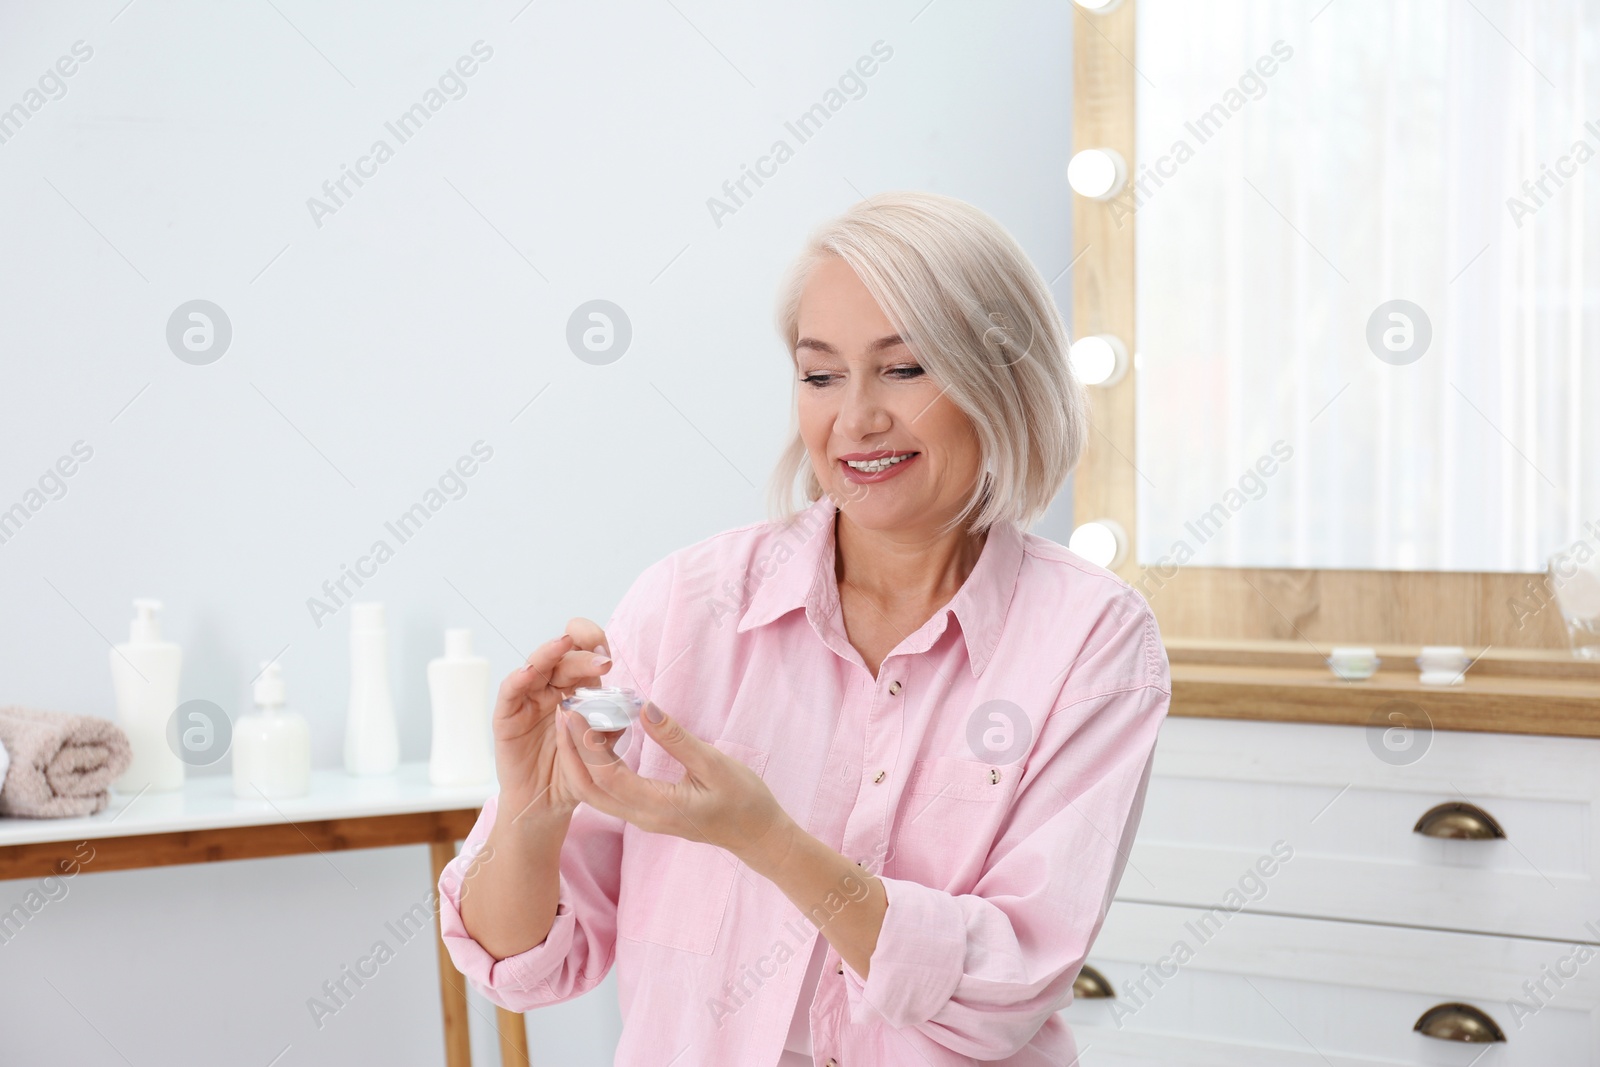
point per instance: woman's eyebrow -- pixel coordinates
(822, 346)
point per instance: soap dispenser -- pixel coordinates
(271, 746)
(458, 684)
(144, 675)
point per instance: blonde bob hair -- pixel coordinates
(980, 320)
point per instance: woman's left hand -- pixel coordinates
(718, 800)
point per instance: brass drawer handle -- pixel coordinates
(1459, 1022)
(1091, 985)
(1460, 821)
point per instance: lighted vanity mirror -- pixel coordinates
(1368, 289)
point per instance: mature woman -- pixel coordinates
(895, 749)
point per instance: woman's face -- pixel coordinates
(865, 399)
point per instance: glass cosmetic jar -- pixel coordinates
(605, 708)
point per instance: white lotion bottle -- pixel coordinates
(458, 685)
(144, 674)
(271, 746)
(371, 742)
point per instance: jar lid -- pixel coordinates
(1443, 657)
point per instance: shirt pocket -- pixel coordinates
(949, 816)
(675, 892)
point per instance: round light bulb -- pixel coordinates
(1101, 542)
(1099, 359)
(1098, 173)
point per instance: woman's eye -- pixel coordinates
(906, 373)
(817, 379)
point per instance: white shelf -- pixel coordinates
(208, 803)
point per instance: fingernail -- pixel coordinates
(600, 661)
(601, 650)
(653, 713)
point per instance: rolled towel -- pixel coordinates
(61, 765)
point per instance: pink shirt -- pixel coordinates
(992, 775)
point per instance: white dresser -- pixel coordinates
(1334, 895)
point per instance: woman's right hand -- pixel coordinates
(527, 712)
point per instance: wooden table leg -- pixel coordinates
(452, 992)
(513, 1038)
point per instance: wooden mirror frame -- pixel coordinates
(1319, 607)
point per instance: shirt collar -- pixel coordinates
(796, 570)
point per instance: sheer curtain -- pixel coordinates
(1301, 165)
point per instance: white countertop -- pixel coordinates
(208, 803)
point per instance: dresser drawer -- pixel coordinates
(1266, 989)
(1224, 794)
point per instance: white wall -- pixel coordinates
(370, 352)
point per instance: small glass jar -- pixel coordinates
(1354, 664)
(1576, 584)
(1443, 665)
(605, 708)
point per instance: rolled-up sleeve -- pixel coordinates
(577, 952)
(980, 972)
(580, 948)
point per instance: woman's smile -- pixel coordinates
(880, 466)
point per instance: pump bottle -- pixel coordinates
(271, 746)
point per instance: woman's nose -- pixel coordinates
(863, 412)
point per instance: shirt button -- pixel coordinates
(841, 968)
(833, 1063)
(877, 777)
(894, 688)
